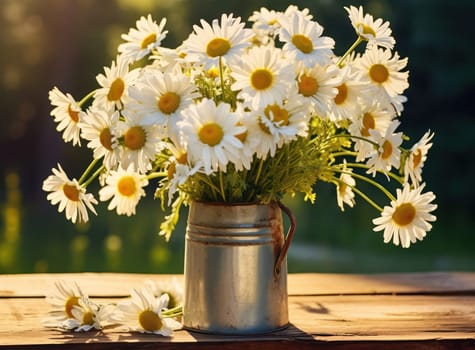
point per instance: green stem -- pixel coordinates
(87, 97)
(367, 180)
(390, 174)
(348, 136)
(366, 198)
(154, 175)
(358, 41)
(87, 171)
(96, 174)
(259, 170)
(221, 74)
(221, 185)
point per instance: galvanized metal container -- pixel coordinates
(236, 268)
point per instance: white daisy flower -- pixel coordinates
(319, 86)
(407, 219)
(63, 298)
(265, 21)
(377, 33)
(172, 287)
(88, 315)
(344, 191)
(141, 41)
(291, 9)
(383, 72)
(416, 159)
(98, 128)
(143, 313)
(286, 120)
(388, 154)
(72, 198)
(371, 117)
(257, 139)
(263, 77)
(225, 39)
(125, 187)
(67, 114)
(162, 97)
(209, 133)
(141, 141)
(115, 83)
(303, 40)
(345, 104)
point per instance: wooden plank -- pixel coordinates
(117, 284)
(346, 322)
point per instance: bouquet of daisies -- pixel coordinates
(247, 114)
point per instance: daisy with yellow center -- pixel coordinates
(265, 23)
(88, 315)
(375, 32)
(209, 134)
(141, 41)
(140, 141)
(407, 219)
(382, 71)
(303, 40)
(67, 114)
(263, 77)
(143, 313)
(344, 191)
(162, 97)
(388, 154)
(172, 287)
(416, 159)
(98, 128)
(286, 120)
(319, 86)
(115, 83)
(125, 187)
(222, 40)
(345, 105)
(63, 299)
(69, 195)
(371, 117)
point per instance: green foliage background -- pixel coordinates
(67, 42)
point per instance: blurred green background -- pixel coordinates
(66, 43)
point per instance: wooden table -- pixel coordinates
(327, 311)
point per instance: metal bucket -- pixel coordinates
(236, 268)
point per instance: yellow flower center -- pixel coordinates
(105, 138)
(168, 102)
(218, 47)
(126, 186)
(342, 189)
(116, 90)
(342, 94)
(213, 72)
(151, 38)
(135, 138)
(88, 318)
(378, 73)
(68, 306)
(387, 150)
(171, 170)
(417, 158)
(308, 86)
(404, 214)
(150, 321)
(261, 79)
(182, 159)
(279, 114)
(368, 123)
(73, 114)
(367, 29)
(71, 192)
(211, 134)
(302, 43)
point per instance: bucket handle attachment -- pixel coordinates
(288, 238)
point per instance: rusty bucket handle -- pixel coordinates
(288, 238)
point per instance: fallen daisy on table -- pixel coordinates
(146, 313)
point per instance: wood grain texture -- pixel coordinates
(327, 311)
